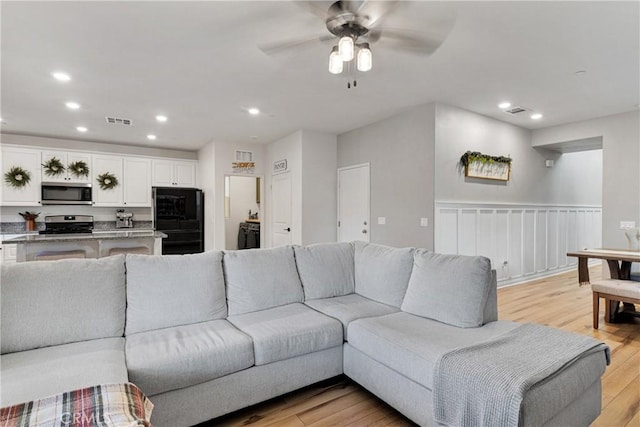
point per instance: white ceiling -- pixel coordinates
(198, 63)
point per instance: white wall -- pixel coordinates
(224, 156)
(574, 179)
(621, 172)
(400, 151)
(71, 144)
(319, 185)
(243, 199)
(206, 181)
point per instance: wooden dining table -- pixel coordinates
(619, 262)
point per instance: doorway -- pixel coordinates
(354, 194)
(242, 212)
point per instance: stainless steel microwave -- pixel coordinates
(66, 193)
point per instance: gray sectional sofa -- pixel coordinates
(204, 335)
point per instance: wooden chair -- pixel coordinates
(613, 289)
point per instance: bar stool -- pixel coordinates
(142, 250)
(613, 289)
(55, 255)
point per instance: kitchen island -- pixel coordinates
(95, 245)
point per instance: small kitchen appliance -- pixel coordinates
(67, 224)
(124, 219)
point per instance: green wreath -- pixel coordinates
(53, 167)
(17, 177)
(78, 169)
(107, 181)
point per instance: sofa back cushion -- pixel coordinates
(452, 289)
(47, 303)
(382, 272)
(258, 279)
(174, 290)
(326, 269)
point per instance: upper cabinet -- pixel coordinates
(133, 177)
(63, 166)
(174, 173)
(108, 179)
(20, 177)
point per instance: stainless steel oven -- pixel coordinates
(66, 193)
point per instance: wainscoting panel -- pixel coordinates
(522, 241)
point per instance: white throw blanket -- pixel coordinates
(484, 384)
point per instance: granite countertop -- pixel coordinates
(18, 227)
(96, 235)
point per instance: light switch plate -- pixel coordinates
(625, 225)
(424, 222)
(382, 220)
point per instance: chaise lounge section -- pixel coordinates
(211, 333)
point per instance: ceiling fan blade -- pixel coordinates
(412, 41)
(293, 43)
(318, 8)
(376, 10)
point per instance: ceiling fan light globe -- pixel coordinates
(364, 59)
(346, 48)
(335, 62)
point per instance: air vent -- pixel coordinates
(118, 121)
(515, 110)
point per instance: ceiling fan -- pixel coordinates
(355, 26)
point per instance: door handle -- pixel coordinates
(364, 231)
(288, 229)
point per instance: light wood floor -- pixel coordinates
(556, 301)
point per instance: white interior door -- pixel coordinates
(281, 210)
(353, 203)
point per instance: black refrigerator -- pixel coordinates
(179, 213)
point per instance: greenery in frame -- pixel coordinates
(79, 169)
(476, 156)
(53, 167)
(17, 177)
(107, 181)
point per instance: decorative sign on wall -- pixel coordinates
(280, 166)
(243, 167)
(478, 165)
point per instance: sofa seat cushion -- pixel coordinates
(34, 374)
(174, 358)
(288, 331)
(348, 308)
(411, 345)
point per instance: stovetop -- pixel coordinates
(86, 230)
(67, 224)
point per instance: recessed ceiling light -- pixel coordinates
(72, 105)
(536, 116)
(161, 118)
(81, 129)
(253, 111)
(504, 105)
(151, 137)
(61, 76)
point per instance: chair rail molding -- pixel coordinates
(523, 241)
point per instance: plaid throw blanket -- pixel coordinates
(112, 405)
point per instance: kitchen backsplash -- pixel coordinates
(18, 227)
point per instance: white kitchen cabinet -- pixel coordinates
(134, 181)
(174, 173)
(137, 182)
(113, 165)
(29, 160)
(9, 251)
(67, 158)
